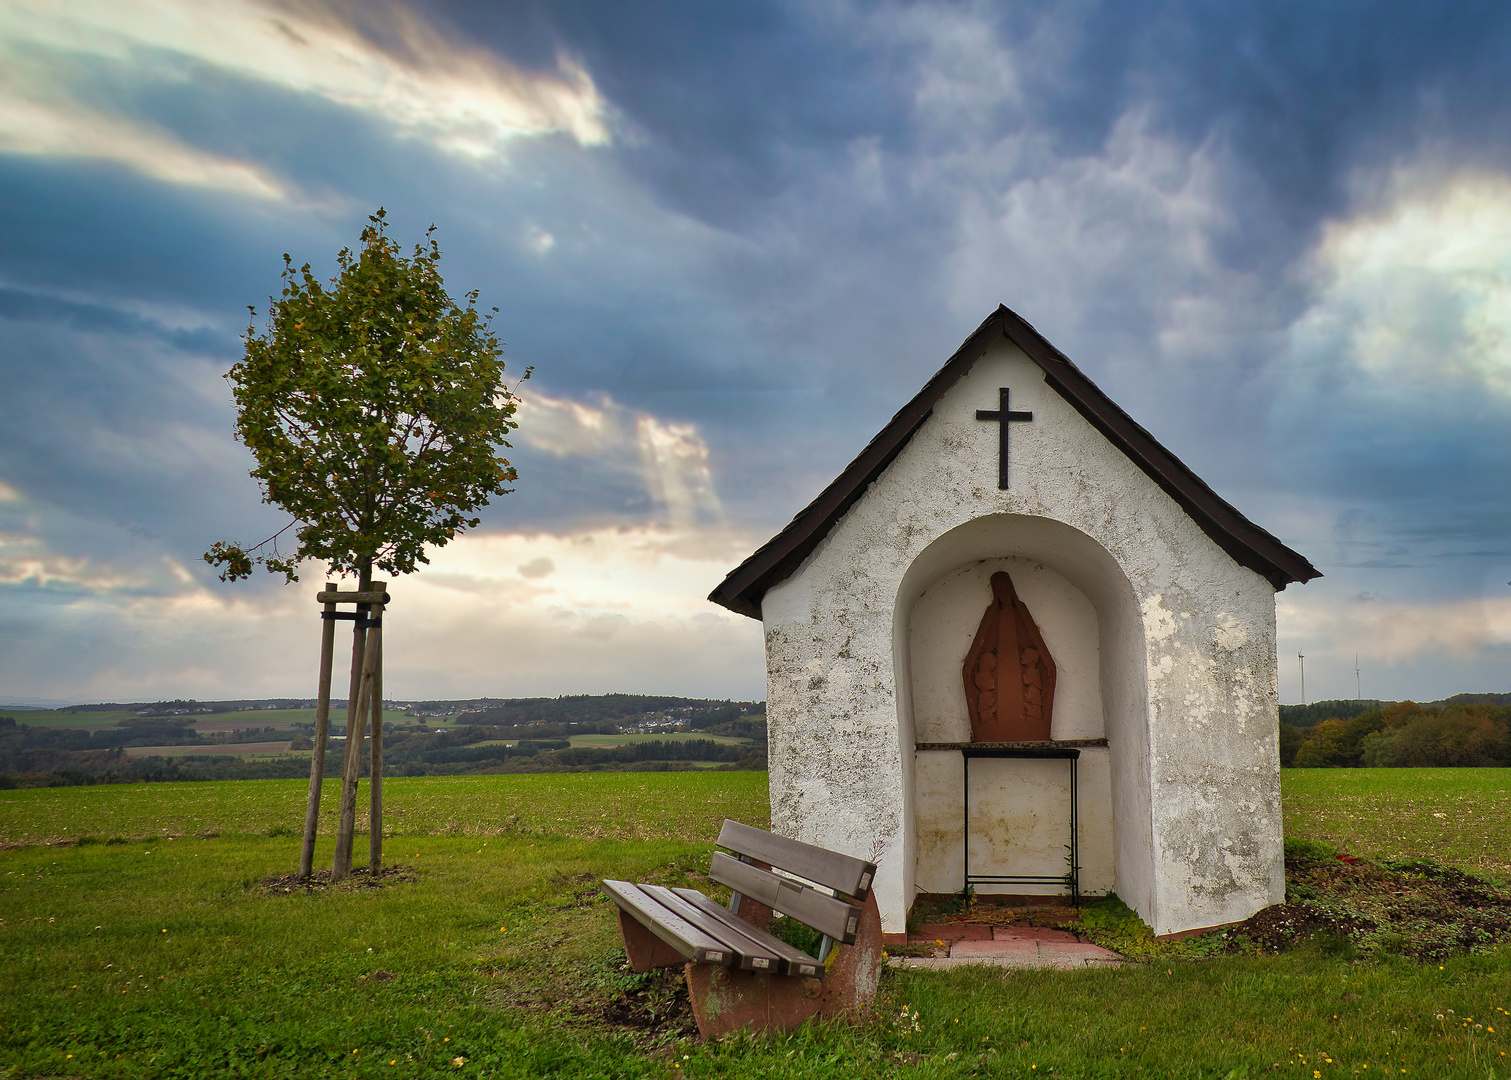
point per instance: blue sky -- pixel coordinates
(732, 240)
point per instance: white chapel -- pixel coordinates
(1018, 646)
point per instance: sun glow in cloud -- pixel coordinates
(380, 59)
(1393, 633)
(41, 125)
(25, 560)
(1420, 293)
(673, 458)
(593, 609)
(499, 614)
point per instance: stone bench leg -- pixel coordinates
(725, 1000)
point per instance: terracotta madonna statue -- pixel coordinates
(1009, 674)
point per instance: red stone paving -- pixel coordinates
(1066, 949)
(1007, 947)
(962, 942)
(953, 931)
(1033, 933)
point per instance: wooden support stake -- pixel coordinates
(375, 789)
(352, 773)
(370, 596)
(322, 729)
(356, 728)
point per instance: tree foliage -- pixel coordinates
(375, 407)
(1404, 735)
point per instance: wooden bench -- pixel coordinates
(738, 974)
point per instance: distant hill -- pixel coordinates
(180, 707)
(569, 708)
(1471, 699)
(605, 709)
(1305, 716)
(479, 735)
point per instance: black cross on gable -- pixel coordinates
(1003, 415)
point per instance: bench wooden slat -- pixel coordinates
(843, 873)
(667, 925)
(826, 914)
(794, 960)
(750, 954)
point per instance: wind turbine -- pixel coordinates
(1358, 686)
(1301, 659)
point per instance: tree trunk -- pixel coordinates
(356, 725)
(322, 729)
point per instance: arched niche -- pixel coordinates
(1091, 621)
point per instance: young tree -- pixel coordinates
(375, 407)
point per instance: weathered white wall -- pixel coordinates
(1020, 821)
(1187, 654)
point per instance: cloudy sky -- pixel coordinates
(732, 240)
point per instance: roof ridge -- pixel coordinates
(1245, 542)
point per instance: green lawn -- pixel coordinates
(1457, 816)
(68, 718)
(167, 957)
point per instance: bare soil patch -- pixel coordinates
(1413, 908)
(655, 1004)
(320, 881)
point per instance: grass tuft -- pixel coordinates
(1303, 854)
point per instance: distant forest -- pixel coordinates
(1465, 730)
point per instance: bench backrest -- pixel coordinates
(831, 915)
(842, 873)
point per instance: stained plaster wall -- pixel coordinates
(1187, 654)
(1020, 809)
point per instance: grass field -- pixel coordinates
(67, 718)
(496, 957)
(619, 806)
(1458, 816)
(251, 749)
